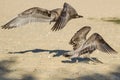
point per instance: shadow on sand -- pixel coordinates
(115, 75)
(5, 69)
(58, 52)
(84, 60)
(97, 76)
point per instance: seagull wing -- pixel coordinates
(94, 42)
(31, 15)
(80, 35)
(62, 19)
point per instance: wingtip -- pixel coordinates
(115, 52)
(65, 4)
(3, 27)
(71, 42)
(55, 29)
(7, 27)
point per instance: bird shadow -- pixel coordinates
(57, 51)
(83, 60)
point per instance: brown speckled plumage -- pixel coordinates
(34, 14)
(68, 13)
(95, 41)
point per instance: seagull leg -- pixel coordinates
(75, 56)
(77, 61)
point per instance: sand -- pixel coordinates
(34, 52)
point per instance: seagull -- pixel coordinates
(59, 15)
(68, 13)
(34, 14)
(88, 46)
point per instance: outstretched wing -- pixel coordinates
(62, 20)
(94, 42)
(80, 35)
(34, 14)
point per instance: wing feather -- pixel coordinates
(79, 37)
(71, 10)
(62, 19)
(31, 15)
(99, 43)
(95, 41)
(103, 46)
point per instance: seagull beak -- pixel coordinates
(79, 16)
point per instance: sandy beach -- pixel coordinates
(34, 52)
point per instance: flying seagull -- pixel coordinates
(88, 46)
(68, 13)
(34, 14)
